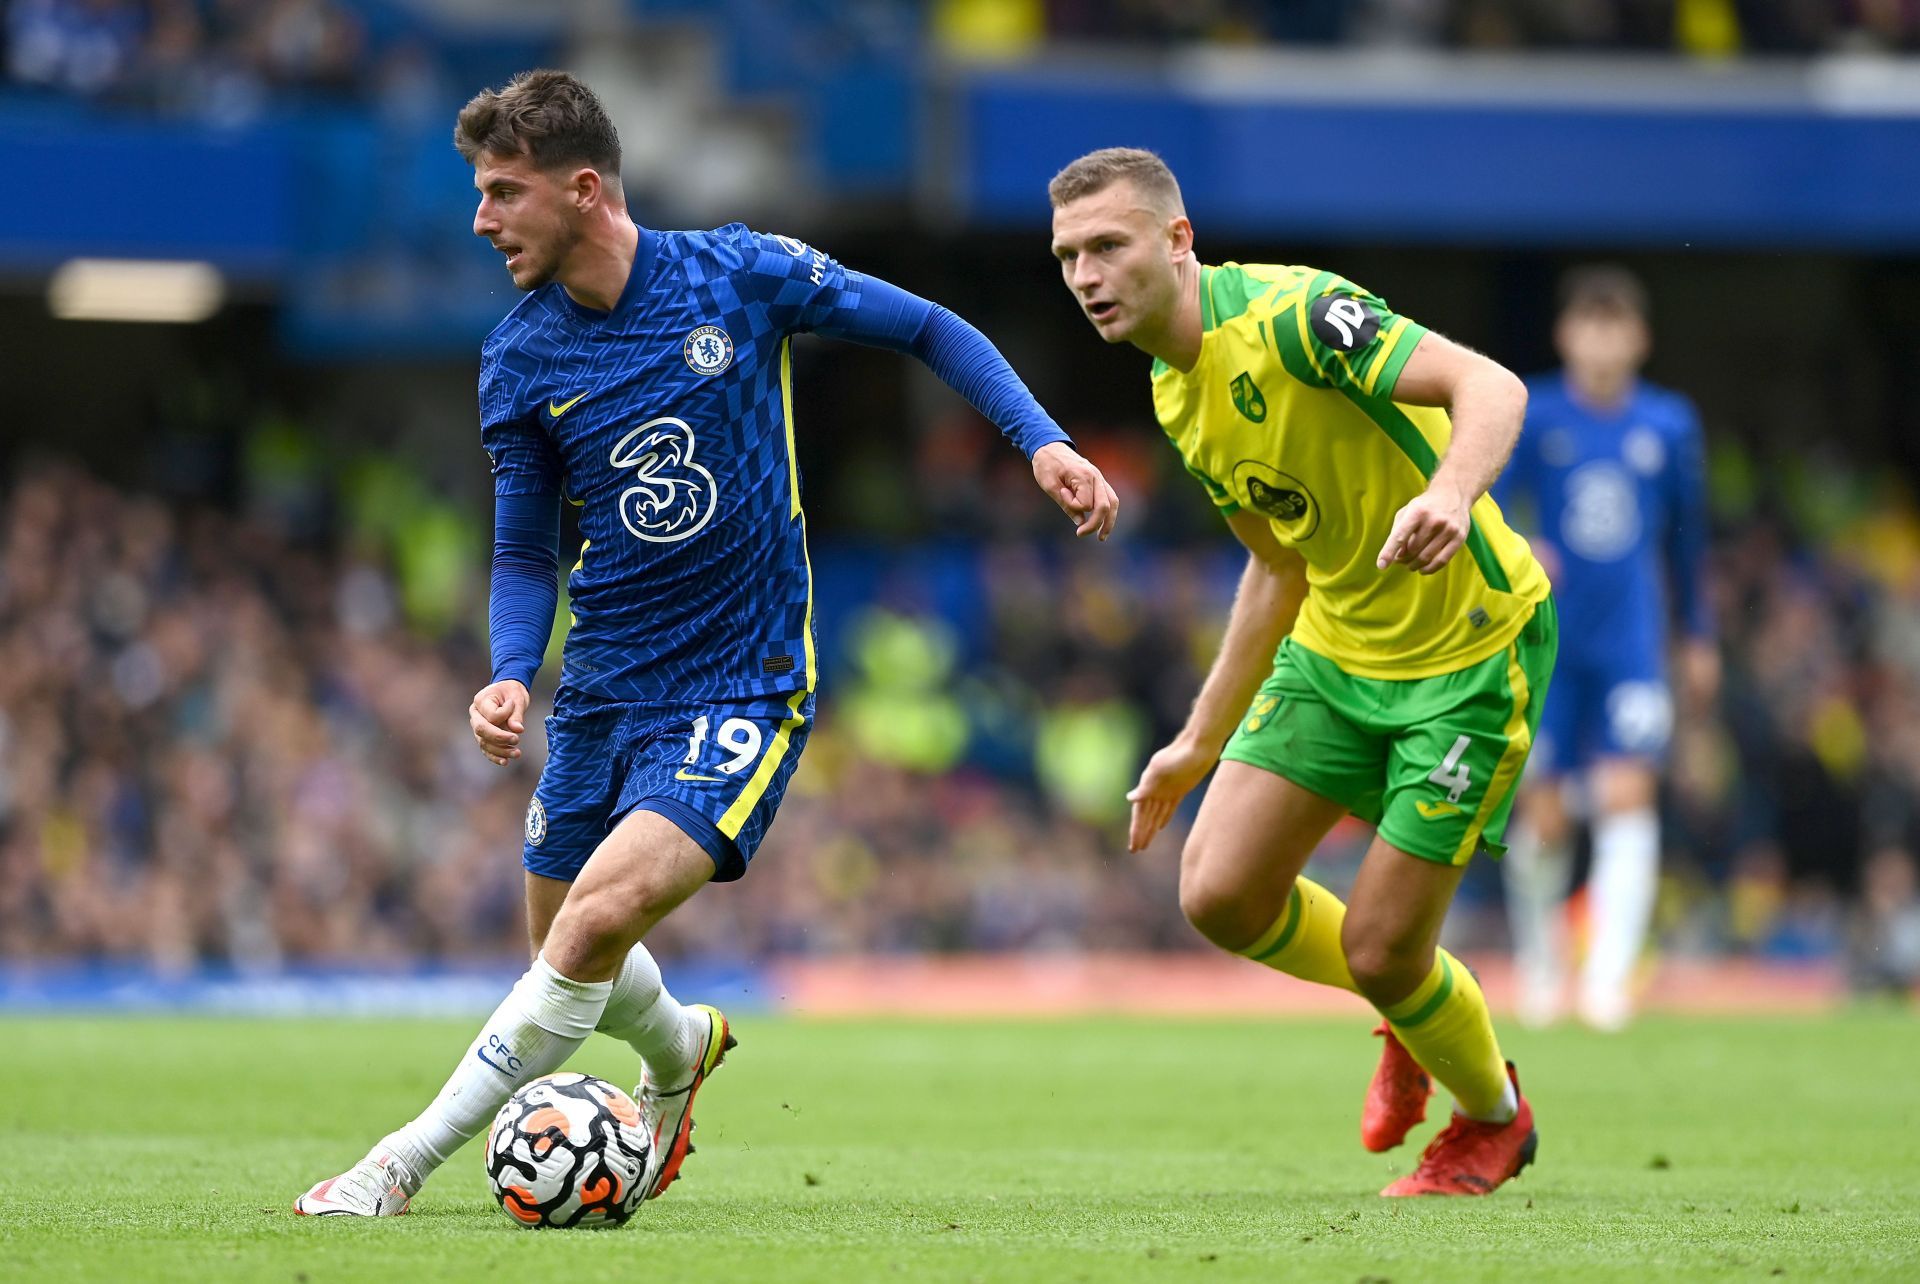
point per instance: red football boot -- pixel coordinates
(1397, 1097)
(1471, 1158)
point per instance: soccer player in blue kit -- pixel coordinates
(1611, 469)
(646, 377)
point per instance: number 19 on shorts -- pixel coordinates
(737, 736)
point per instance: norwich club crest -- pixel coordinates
(1247, 398)
(1279, 496)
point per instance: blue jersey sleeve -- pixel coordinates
(1687, 525)
(525, 586)
(801, 288)
(527, 484)
(805, 289)
(524, 460)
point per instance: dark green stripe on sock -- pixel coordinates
(1294, 907)
(1433, 1004)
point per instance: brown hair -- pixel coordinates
(1097, 171)
(1603, 288)
(547, 116)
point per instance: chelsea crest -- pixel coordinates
(708, 350)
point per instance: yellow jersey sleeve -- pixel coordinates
(1342, 336)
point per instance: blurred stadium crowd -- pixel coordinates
(219, 58)
(241, 734)
(1697, 27)
(225, 59)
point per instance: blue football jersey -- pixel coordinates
(1617, 499)
(668, 421)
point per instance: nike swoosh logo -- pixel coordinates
(1434, 811)
(558, 408)
(684, 774)
(482, 1054)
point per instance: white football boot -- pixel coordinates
(670, 1114)
(381, 1185)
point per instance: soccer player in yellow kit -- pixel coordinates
(1388, 649)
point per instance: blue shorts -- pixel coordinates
(1613, 705)
(718, 771)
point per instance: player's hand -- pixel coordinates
(1700, 672)
(498, 715)
(1427, 532)
(1077, 486)
(1169, 776)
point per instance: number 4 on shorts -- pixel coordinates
(1452, 772)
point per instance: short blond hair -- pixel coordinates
(1097, 171)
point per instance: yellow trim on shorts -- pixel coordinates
(1507, 773)
(736, 817)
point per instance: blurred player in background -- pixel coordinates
(646, 377)
(1610, 467)
(1387, 649)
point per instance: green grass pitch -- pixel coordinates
(162, 1148)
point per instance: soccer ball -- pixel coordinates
(569, 1150)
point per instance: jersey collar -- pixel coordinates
(643, 252)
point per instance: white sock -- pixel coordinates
(1503, 1113)
(1620, 895)
(651, 1021)
(1536, 884)
(542, 1021)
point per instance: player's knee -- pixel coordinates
(589, 938)
(1385, 969)
(1625, 787)
(1220, 911)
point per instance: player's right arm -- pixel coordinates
(805, 290)
(1271, 590)
(524, 590)
(525, 584)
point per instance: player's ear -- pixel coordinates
(1179, 237)
(586, 189)
(1642, 339)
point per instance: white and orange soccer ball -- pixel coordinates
(569, 1150)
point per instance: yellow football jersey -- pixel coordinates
(1289, 412)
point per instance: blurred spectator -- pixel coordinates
(1884, 951)
(83, 47)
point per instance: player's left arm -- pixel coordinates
(1487, 403)
(804, 289)
(1686, 550)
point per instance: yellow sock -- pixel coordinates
(1305, 940)
(1445, 1025)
